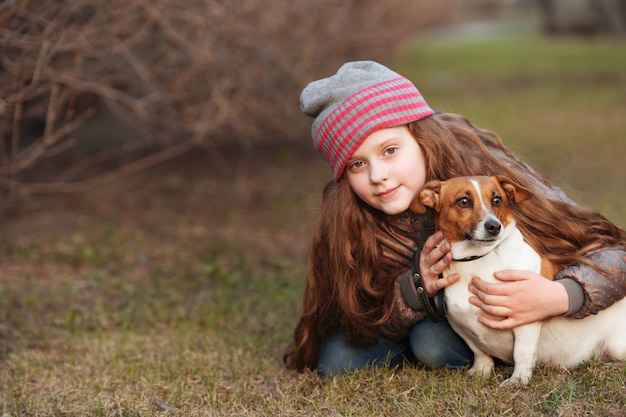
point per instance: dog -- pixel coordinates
(474, 215)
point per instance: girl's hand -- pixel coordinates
(433, 261)
(523, 297)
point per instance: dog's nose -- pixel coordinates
(493, 227)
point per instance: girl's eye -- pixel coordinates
(391, 151)
(356, 165)
(496, 202)
(464, 202)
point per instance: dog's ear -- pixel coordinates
(428, 197)
(513, 190)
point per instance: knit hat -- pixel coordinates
(361, 98)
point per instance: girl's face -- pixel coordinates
(387, 170)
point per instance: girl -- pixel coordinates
(383, 143)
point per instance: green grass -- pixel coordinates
(160, 297)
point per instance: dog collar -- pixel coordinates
(470, 258)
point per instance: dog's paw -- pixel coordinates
(484, 372)
(516, 380)
(483, 365)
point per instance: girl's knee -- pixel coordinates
(436, 345)
(434, 359)
(337, 356)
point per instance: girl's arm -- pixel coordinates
(525, 297)
(400, 316)
(601, 287)
(404, 307)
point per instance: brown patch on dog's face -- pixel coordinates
(461, 209)
(463, 204)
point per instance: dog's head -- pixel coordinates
(472, 212)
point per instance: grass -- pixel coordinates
(159, 296)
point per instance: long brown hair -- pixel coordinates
(346, 285)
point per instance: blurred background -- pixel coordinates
(92, 91)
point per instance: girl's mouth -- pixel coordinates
(387, 193)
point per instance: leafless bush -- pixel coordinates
(179, 74)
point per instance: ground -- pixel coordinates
(259, 200)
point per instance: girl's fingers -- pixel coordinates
(507, 323)
(432, 241)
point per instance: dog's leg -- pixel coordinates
(524, 353)
(483, 363)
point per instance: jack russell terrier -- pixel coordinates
(473, 214)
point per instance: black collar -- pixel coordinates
(470, 258)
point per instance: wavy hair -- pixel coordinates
(346, 285)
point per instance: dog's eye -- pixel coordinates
(463, 202)
(496, 202)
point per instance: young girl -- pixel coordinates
(383, 143)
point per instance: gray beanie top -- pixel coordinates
(361, 98)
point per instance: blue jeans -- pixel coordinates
(434, 345)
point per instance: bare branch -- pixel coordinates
(26, 189)
(174, 75)
(34, 152)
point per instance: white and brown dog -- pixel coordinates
(473, 214)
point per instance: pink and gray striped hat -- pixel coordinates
(362, 97)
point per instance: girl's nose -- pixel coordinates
(378, 173)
